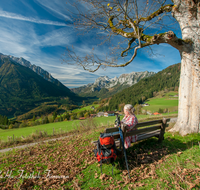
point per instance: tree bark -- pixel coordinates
(188, 15)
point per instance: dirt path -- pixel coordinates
(31, 144)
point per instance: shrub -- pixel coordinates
(16, 125)
(22, 125)
(10, 126)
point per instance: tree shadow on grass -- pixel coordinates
(150, 151)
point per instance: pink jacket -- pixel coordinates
(131, 122)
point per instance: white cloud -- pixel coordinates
(35, 43)
(58, 8)
(59, 37)
(29, 19)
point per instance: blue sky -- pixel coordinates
(40, 31)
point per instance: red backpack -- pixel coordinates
(106, 149)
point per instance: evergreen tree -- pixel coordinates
(46, 120)
(54, 116)
(33, 118)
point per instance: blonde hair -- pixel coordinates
(129, 108)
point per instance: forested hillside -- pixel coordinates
(21, 89)
(167, 79)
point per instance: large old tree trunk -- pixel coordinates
(187, 14)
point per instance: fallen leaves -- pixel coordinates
(62, 159)
(187, 176)
(70, 157)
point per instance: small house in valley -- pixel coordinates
(92, 115)
(109, 113)
(156, 113)
(100, 114)
(145, 104)
(92, 107)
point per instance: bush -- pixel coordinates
(36, 123)
(10, 126)
(73, 117)
(4, 126)
(86, 115)
(165, 110)
(66, 116)
(22, 125)
(45, 120)
(16, 125)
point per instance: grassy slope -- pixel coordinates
(59, 127)
(173, 164)
(87, 108)
(165, 102)
(162, 103)
(64, 126)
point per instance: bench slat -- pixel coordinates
(140, 137)
(115, 129)
(148, 135)
(148, 123)
(116, 136)
(111, 130)
(145, 130)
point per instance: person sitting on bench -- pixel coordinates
(130, 121)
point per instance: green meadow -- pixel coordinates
(58, 127)
(61, 127)
(87, 108)
(171, 103)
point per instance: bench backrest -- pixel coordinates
(143, 127)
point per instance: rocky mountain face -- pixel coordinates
(44, 74)
(114, 85)
(124, 79)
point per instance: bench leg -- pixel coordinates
(162, 131)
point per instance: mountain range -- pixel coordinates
(46, 75)
(105, 87)
(24, 86)
(22, 89)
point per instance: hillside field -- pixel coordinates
(61, 127)
(166, 102)
(86, 108)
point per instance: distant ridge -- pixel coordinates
(104, 86)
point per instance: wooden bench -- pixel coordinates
(144, 130)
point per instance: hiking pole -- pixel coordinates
(117, 122)
(121, 136)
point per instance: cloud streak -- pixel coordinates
(15, 16)
(36, 30)
(56, 7)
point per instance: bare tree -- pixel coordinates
(132, 24)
